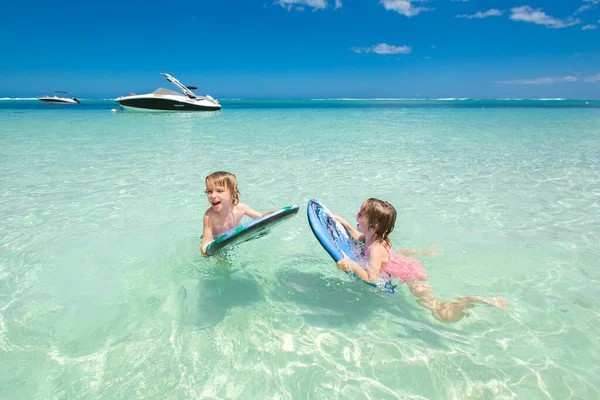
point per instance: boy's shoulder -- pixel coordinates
(241, 206)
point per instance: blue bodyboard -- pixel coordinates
(336, 239)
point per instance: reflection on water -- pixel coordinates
(104, 293)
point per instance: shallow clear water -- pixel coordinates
(103, 292)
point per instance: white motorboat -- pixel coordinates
(169, 100)
(56, 99)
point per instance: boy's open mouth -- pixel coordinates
(215, 203)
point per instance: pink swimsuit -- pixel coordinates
(405, 268)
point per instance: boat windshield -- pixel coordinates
(167, 91)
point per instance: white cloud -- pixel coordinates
(528, 14)
(383, 48)
(589, 27)
(480, 15)
(538, 81)
(589, 4)
(595, 78)
(404, 7)
(338, 4)
(300, 4)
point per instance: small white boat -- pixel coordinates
(56, 99)
(169, 100)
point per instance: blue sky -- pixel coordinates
(304, 48)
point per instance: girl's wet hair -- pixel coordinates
(227, 180)
(381, 217)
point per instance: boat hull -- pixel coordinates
(165, 104)
(58, 100)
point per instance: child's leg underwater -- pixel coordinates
(497, 302)
(449, 311)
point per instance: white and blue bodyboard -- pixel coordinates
(336, 239)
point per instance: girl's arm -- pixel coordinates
(409, 252)
(372, 273)
(356, 235)
(207, 235)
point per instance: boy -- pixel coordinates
(226, 211)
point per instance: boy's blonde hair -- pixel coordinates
(381, 217)
(227, 180)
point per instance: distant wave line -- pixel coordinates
(37, 98)
(442, 99)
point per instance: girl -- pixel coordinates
(226, 211)
(376, 220)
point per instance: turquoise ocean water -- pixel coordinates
(104, 294)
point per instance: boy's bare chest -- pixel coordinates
(224, 223)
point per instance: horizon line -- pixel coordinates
(354, 99)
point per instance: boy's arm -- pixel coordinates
(356, 235)
(253, 213)
(207, 235)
